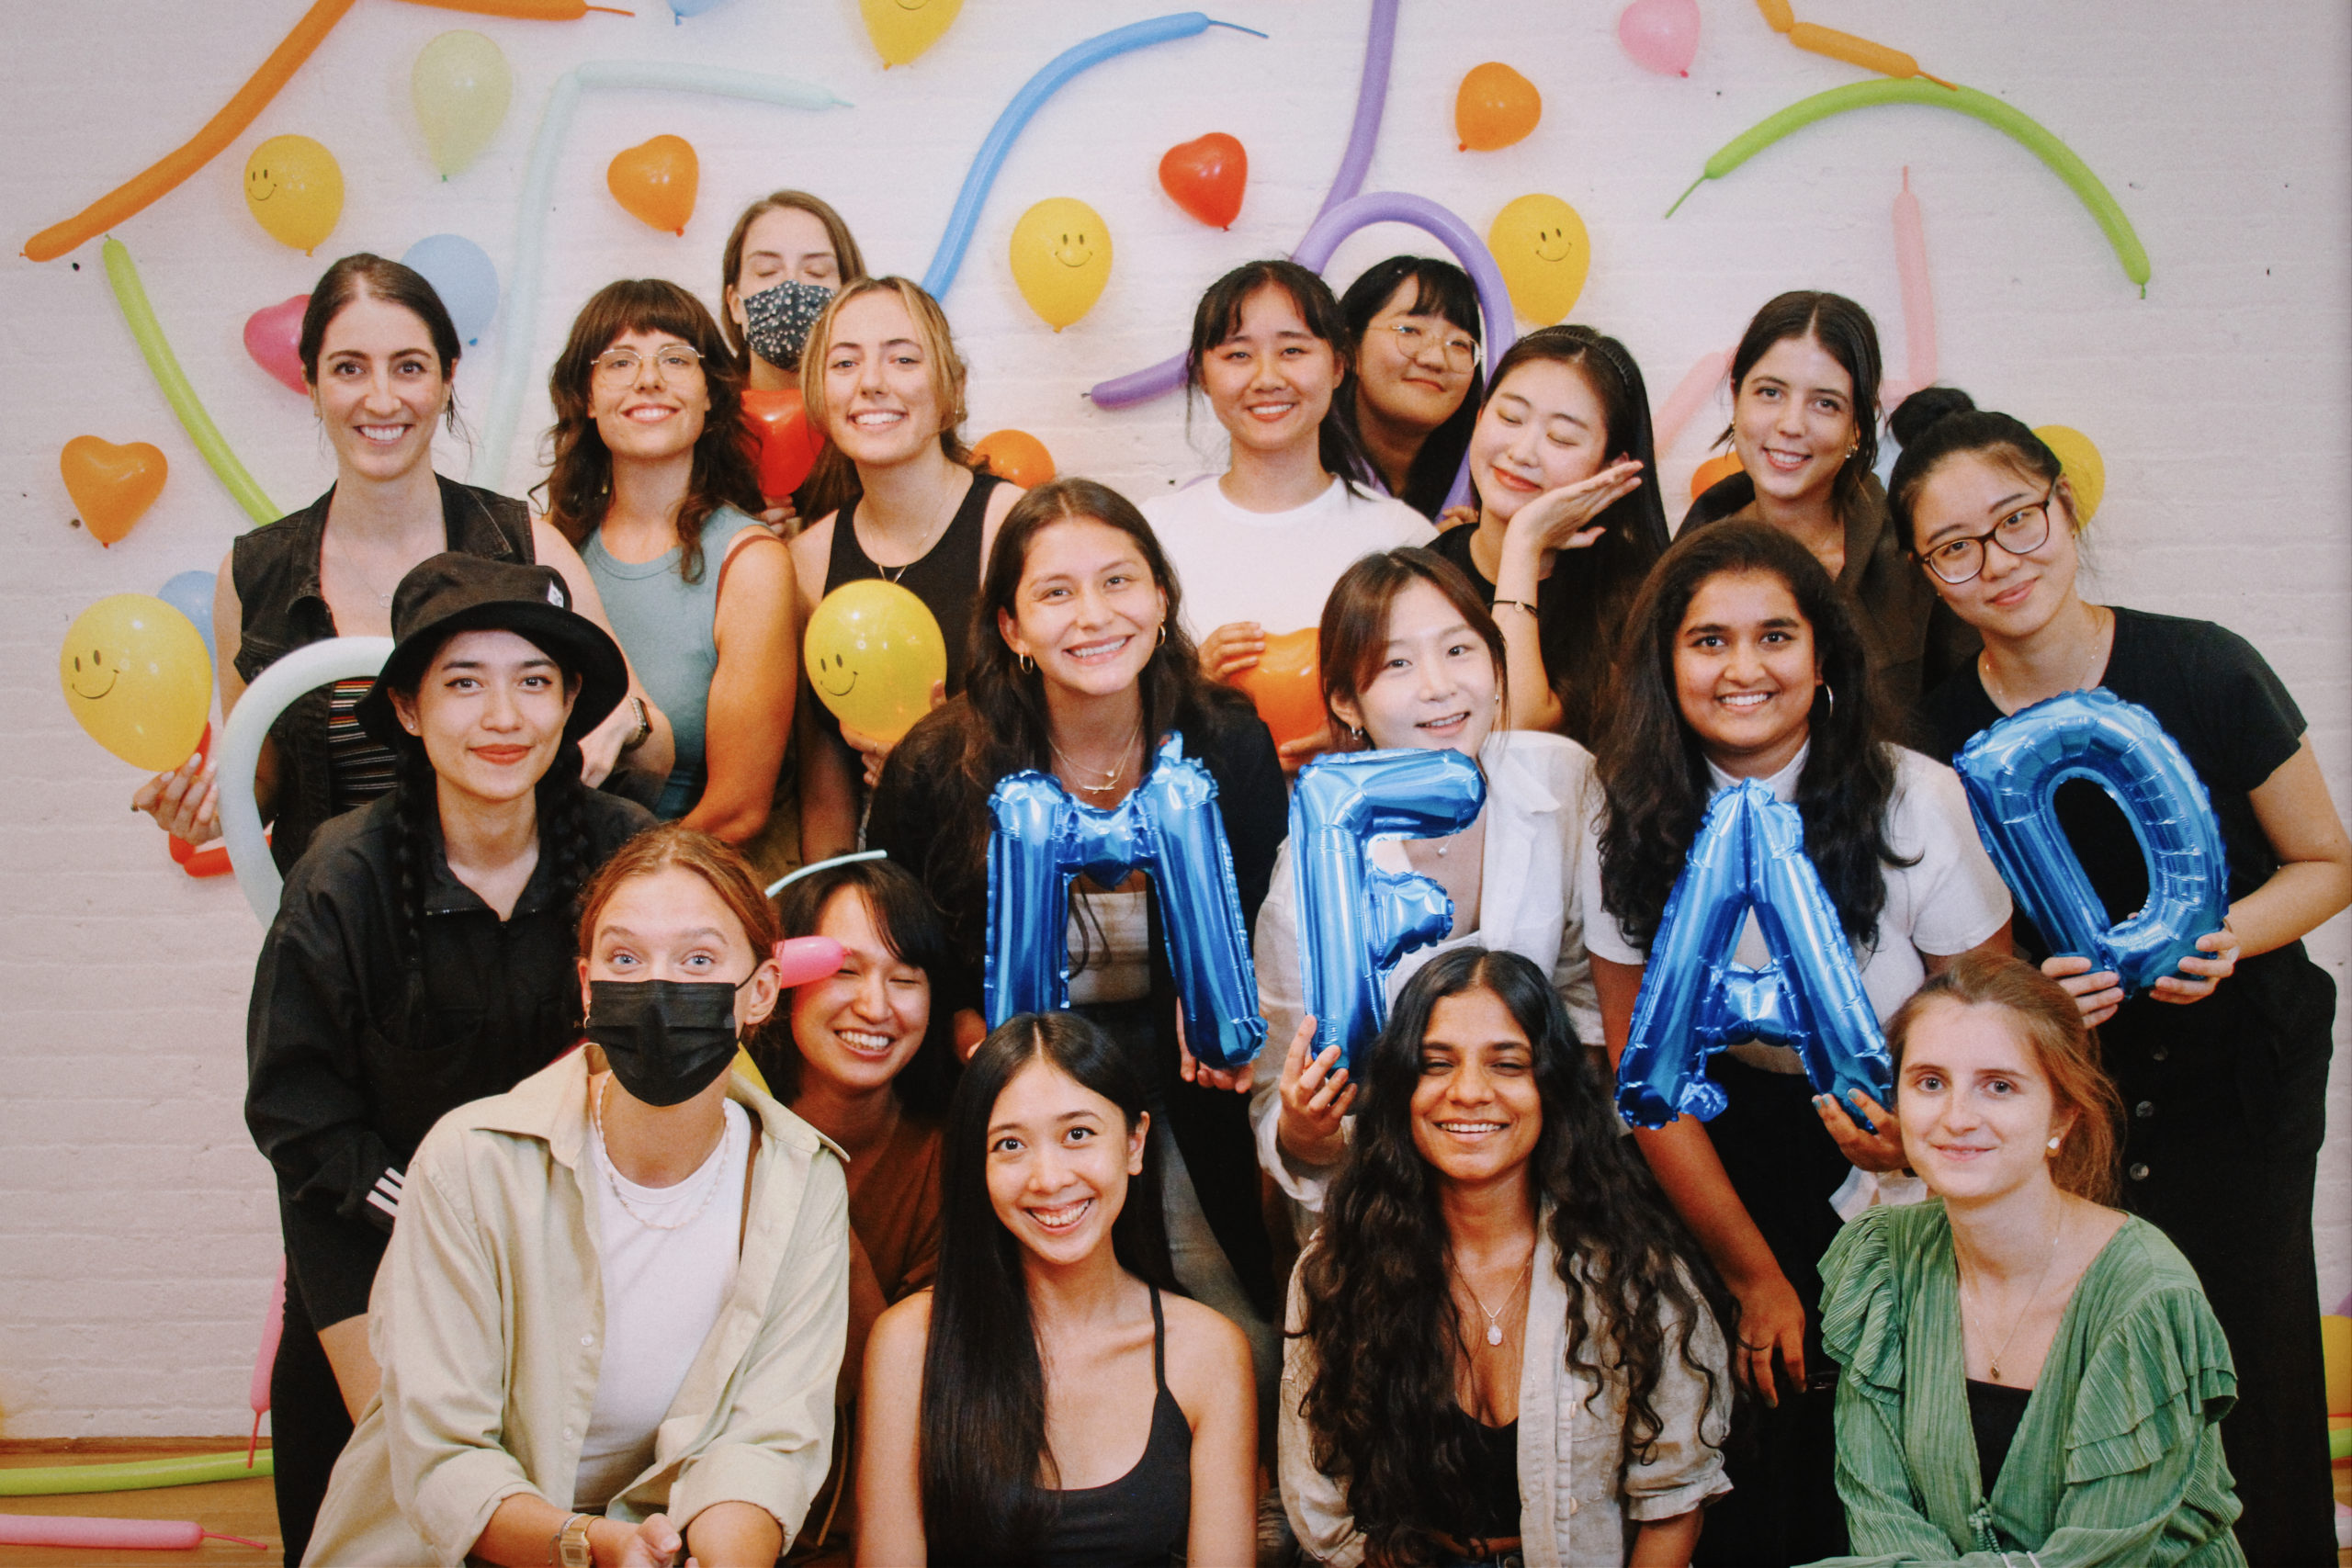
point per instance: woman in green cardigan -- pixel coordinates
(2030, 1374)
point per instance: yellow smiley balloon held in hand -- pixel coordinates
(873, 652)
(1540, 244)
(138, 679)
(294, 189)
(1061, 259)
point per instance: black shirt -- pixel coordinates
(1994, 1411)
(352, 1054)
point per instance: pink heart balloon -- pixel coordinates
(1661, 35)
(274, 336)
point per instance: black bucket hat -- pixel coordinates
(452, 592)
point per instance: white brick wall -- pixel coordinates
(137, 1236)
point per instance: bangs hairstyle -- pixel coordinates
(1353, 636)
(721, 867)
(364, 275)
(1846, 332)
(579, 487)
(940, 361)
(1218, 317)
(2047, 1020)
(1440, 290)
(1938, 423)
(909, 927)
(988, 1475)
(849, 262)
(1653, 771)
(1376, 1293)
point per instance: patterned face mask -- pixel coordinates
(778, 318)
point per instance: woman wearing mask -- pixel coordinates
(1410, 392)
(788, 254)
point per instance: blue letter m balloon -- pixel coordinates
(1748, 856)
(1169, 828)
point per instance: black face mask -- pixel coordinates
(777, 318)
(667, 1039)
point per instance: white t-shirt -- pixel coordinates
(662, 1292)
(1273, 568)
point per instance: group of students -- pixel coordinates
(1017, 1295)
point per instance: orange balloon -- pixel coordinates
(776, 428)
(1288, 687)
(112, 486)
(656, 182)
(1494, 107)
(1017, 456)
(1713, 472)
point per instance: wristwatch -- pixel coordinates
(572, 1543)
(644, 727)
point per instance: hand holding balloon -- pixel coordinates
(2207, 973)
(1879, 1151)
(1317, 1098)
(2097, 992)
(185, 802)
(1232, 648)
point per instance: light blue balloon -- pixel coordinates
(461, 274)
(190, 593)
(681, 9)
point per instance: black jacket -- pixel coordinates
(352, 1054)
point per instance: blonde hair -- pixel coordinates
(945, 366)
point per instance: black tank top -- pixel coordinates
(1144, 1518)
(947, 577)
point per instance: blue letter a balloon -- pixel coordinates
(1748, 856)
(2013, 771)
(1169, 828)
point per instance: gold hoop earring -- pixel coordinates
(1162, 640)
(1028, 665)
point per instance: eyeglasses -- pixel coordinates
(2021, 533)
(675, 364)
(1461, 349)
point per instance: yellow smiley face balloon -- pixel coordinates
(138, 678)
(2083, 469)
(903, 29)
(294, 189)
(874, 651)
(1542, 247)
(1061, 259)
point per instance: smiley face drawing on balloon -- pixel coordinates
(1061, 259)
(138, 679)
(1543, 249)
(874, 653)
(294, 189)
(825, 679)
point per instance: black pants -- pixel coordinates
(307, 1425)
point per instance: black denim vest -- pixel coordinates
(276, 569)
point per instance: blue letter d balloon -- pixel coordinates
(1749, 856)
(1169, 828)
(2012, 770)
(1355, 920)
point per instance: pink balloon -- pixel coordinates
(1661, 35)
(89, 1534)
(807, 958)
(273, 1326)
(274, 336)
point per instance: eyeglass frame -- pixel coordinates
(1477, 349)
(1991, 536)
(598, 367)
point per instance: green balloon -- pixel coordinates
(461, 85)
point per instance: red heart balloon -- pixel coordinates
(274, 337)
(1205, 177)
(776, 428)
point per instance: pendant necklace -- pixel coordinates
(2083, 682)
(383, 599)
(1992, 1366)
(1494, 1319)
(1111, 776)
(892, 574)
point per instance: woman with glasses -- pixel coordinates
(2223, 1067)
(651, 480)
(1410, 392)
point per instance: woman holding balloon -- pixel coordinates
(1740, 663)
(1410, 390)
(381, 355)
(788, 254)
(885, 386)
(2223, 1066)
(651, 482)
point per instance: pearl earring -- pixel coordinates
(2053, 1146)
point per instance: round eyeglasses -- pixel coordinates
(675, 364)
(1412, 338)
(2020, 533)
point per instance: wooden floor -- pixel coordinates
(233, 1507)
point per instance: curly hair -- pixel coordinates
(1376, 1296)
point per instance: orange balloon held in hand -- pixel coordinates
(1017, 456)
(782, 443)
(1494, 107)
(1206, 177)
(656, 181)
(1288, 687)
(112, 486)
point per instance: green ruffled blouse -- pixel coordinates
(2118, 1458)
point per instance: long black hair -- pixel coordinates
(1936, 422)
(1846, 332)
(983, 1422)
(1377, 1290)
(1653, 773)
(1218, 317)
(909, 927)
(1441, 289)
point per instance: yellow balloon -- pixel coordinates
(873, 651)
(903, 29)
(138, 678)
(1061, 258)
(1542, 247)
(294, 189)
(2085, 470)
(460, 86)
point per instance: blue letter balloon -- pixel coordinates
(2012, 771)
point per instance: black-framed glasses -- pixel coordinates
(1461, 349)
(674, 363)
(2020, 533)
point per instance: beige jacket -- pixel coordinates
(1580, 1493)
(487, 1319)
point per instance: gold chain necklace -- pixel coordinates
(1111, 776)
(2089, 675)
(1993, 1365)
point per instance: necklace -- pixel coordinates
(716, 1164)
(1111, 776)
(1992, 1366)
(383, 596)
(1494, 1317)
(2086, 677)
(891, 574)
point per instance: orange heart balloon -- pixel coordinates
(1288, 687)
(1206, 177)
(776, 427)
(1017, 456)
(112, 486)
(1713, 471)
(1494, 107)
(656, 182)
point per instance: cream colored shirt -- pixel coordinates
(1580, 1493)
(487, 1318)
